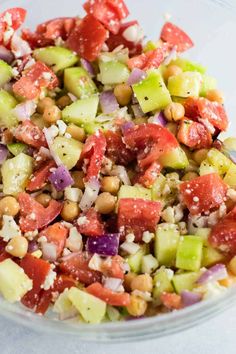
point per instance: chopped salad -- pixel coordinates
(118, 199)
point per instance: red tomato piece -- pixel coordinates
(33, 215)
(34, 79)
(3, 254)
(87, 38)
(137, 215)
(150, 141)
(113, 267)
(194, 135)
(76, 265)
(58, 27)
(110, 297)
(176, 37)
(203, 193)
(40, 176)
(17, 15)
(148, 177)
(94, 150)
(56, 234)
(120, 7)
(37, 269)
(30, 134)
(117, 151)
(35, 40)
(93, 225)
(151, 59)
(171, 301)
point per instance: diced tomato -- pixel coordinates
(56, 234)
(87, 38)
(113, 267)
(37, 269)
(110, 297)
(171, 301)
(17, 15)
(35, 40)
(76, 265)
(150, 141)
(148, 177)
(40, 176)
(94, 150)
(203, 193)
(33, 215)
(30, 134)
(93, 225)
(138, 215)
(61, 283)
(194, 135)
(115, 40)
(58, 27)
(117, 151)
(34, 79)
(151, 59)
(120, 7)
(176, 37)
(3, 254)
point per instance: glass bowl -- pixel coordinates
(212, 25)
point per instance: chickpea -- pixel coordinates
(105, 203)
(172, 127)
(70, 211)
(232, 265)
(189, 176)
(200, 155)
(76, 132)
(142, 282)
(43, 199)
(17, 246)
(46, 102)
(172, 70)
(174, 111)
(123, 94)
(9, 206)
(137, 306)
(63, 101)
(128, 280)
(215, 96)
(110, 184)
(78, 177)
(51, 114)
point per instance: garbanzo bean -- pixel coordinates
(105, 203)
(78, 177)
(46, 102)
(142, 282)
(43, 199)
(189, 176)
(172, 127)
(51, 114)
(137, 306)
(123, 94)
(77, 133)
(17, 246)
(110, 184)
(172, 70)
(70, 211)
(64, 101)
(232, 265)
(9, 206)
(174, 111)
(128, 280)
(199, 155)
(215, 96)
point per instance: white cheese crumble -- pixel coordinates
(61, 127)
(231, 193)
(9, 228)
(130, 247)
(130, 238)
(74, 242)
(82, 220)
(133, 33)
(147, 236)
(49, 281)
(95, 262)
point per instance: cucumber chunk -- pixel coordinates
(157, 188)
(184, 281)
(166, 243)
(149, 264)
(187, 65)
(7, 103)
(162, 283)
(211, 256)
(230, 177)
(206, 168)
(187, 84)
(189, 253)
(175, 158)
(80, 112)
(16, 148)
(135, 260)
(208, 83)
(58, 58)
(219, 161)
(152, 93)
(63, 306)
(68, 150)
(79, 83)
(113, 72)
(5, 73)
(134, 192)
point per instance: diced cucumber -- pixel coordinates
(63, 306)
(158, 186)
(58, 58)
(16, 173)
(91, 128)
(78, 82)
(68, 150)
(230, 177)
(230, 144)
(14, 283)
(16, 148)
(150, 45)
(113, 72)
(82, 111)
(134, 192)
(203, 232)
(208, 83)
(189, 253)
(187, 65)
(5, 73)
(162, 283)
(175, 158)
(166, 243)
(152, 93)
(219, 160)
(187, 84)
(184, 281)
(90, 307)
(149, 264)
(113, 314)
(211, 256)
(7, 103)
(38, 120)
(135, 260)
(206, 168)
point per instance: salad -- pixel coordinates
(118, 199)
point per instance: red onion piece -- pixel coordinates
(19, 46)
(217, 272)
(127, 126)
(33, 246)
(90, 194)
(61, 178)
(112, 283)
(6, 55)
(49, 251)
(105, 245)
(69, 314)
(121, 172)
(189, 298)
(108, 102)
(159, 119)
(3, 153)
(49, 138)
(136, 76)
(137, 110)
(24, 110)
(87, 66)
(172, 56)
